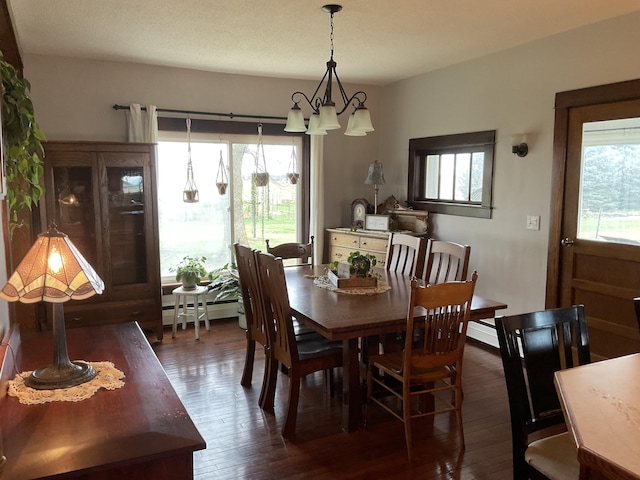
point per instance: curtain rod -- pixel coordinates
(193, 112)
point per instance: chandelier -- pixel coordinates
(324, 114)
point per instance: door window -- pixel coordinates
(609, 202)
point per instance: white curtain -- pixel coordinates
(316, 217)
(142, 126)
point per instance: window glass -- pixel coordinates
(609, 209)
(432, 175)
(245, 213)
(452, 173)
(463, 172)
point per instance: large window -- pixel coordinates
(246, 213)
(452, 173)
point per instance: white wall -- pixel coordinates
(511, 92)
(73, 100)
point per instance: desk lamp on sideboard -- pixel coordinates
(54, 271)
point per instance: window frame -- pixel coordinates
(420, 148)
(250, 128)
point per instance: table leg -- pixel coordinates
(352, 400)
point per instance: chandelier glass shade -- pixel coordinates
(323, 105)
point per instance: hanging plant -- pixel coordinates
(190, 193)
(261, 176)
(222, 179)
(22, 144)
(292, 176)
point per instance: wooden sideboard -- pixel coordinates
(343, 241)
(141, 430)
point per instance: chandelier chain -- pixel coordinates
(331, 36)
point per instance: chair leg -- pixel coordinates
(406, 415)
(247, 373)
(268, 392)
(459, 396)
(289, 426)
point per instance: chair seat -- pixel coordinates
(392, 364)
(555, 456)
(315, 345)
(301, 329)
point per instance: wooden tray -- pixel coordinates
(355, 282)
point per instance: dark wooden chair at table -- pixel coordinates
(300, 357)
(445, 261)
(289, 251)
(533, 346)
(254, 314)
(636, 303)
(408, 383)
(292, 251)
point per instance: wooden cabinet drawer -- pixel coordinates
(339, 254)
(345, 240)
(375, 244)
(146, 313)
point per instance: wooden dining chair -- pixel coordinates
(533, 346)
(405, 254)
(636, 303)
(300, 357)
(256, 322)
(289, 251)
(445, 261)
(408, 384)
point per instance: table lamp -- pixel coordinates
(375, 177)
(54, 271)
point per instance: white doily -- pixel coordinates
(323, 282)
(107, 377)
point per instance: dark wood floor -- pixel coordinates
(245, 442)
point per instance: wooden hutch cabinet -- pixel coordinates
(103, 196)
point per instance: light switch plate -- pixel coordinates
(533, 222)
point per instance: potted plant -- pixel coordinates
(22, 139)
(225, 281)
(354, 273)
(189, 271)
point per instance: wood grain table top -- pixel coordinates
(340, 316)
(143, 420)
(601, 403)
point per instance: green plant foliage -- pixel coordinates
(22, 143)
(190, 269)
(226, 282)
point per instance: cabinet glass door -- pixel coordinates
(74, 208)
(126, 211)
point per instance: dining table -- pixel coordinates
(602, 412)
(339, 315)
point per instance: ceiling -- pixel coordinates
(376, 42)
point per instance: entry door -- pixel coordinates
(600, 232)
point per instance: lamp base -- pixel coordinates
(53, 377)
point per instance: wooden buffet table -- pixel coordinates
(602, 410)
(340, 316)
(141, 430)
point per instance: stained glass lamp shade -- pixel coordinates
(54, 271)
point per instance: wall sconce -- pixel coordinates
(519, 145)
